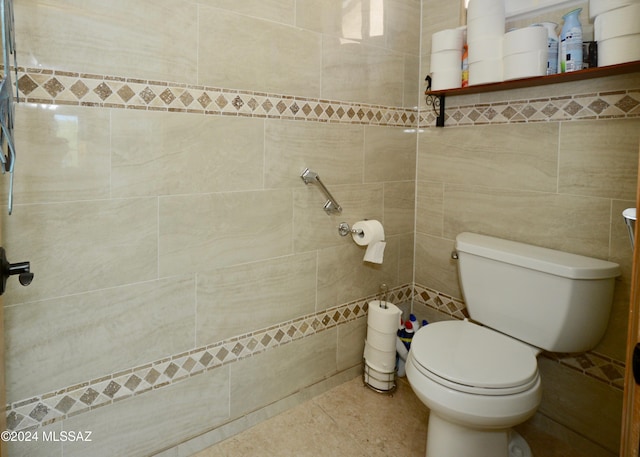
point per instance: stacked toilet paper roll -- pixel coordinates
(617, 32)
(370, 234)
(598, 7)
(446, 59)
(525, 52)
(485, 30)
(383, 321)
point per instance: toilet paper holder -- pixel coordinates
(344, 229)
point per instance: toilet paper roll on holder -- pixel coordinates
(344, 229)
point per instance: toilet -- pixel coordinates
(479, 377)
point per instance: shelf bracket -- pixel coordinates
(435, 101)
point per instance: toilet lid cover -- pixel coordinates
(472, 355)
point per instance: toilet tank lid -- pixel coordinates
(559, 263)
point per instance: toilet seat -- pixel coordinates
(470, 358)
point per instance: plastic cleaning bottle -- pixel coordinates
(552, 45)
(415, 324)
(571, 42)
(406, 335)
(465, 66)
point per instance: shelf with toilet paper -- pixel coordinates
(580, 75)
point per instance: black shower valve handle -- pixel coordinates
(22, 269)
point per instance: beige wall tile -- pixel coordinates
(564, 222)
(413, 82)
(203, 232)
(581, 404)
(355, 72)
(517, 156)
(81, 246)
(279, 290)
(60, 342)
(402, 19)
(405, 258)
(599, 158)
(389, 154)
(343, 275)
(63, 153)
(430, 208)
(38, 448)
(360, 21)
(314, 229)
(264, 378)
(434, 267)
(157, 153)
(116, 38)
(351, 337)
(399, 207)
(334, 151)
(273, 10)
(384, 23)
(284, 60)
(331, 17)
(151, 422)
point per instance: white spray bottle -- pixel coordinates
(571, 42)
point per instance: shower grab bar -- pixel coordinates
(331, 206)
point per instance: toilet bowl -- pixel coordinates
(481, 378)
(477, 385)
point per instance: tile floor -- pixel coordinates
(353, 420)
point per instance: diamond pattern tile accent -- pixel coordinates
(147, 95)
(39, 412)
(26, 85)
(81, 398)
(65, 404)
(237, 102)
(204, 100)
(103, 91)
(89, 396)
(132, 383)
(152, 376)
(627, 103)
(206, 358)
(126, 93)
(79, 89)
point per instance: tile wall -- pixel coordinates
(179, 258)
(186, 278)
(551, 166)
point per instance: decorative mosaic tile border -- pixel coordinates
(603, 105)
(71, 401)
(81, 398)
(67, 88)
(592, 364)
(440, 302)
(81, 89)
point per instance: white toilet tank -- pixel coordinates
(550, 299)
